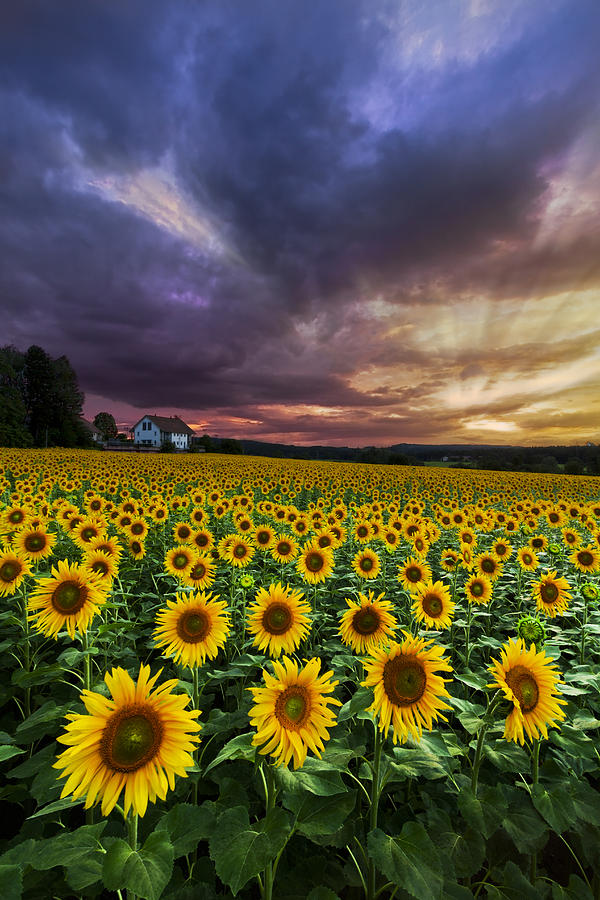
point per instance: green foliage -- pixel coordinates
(105, 422)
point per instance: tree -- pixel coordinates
(105, 423)
(39, 379)
(13, 427)
(67, 406)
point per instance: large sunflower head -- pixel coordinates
(284, 548)
(489, 565)
(413, 573)
(240, 552)
(478, 589)
(366, 564)
(529, 680)
(102, 565)
(137, 742)
(71, 597)
(192, 627)
(291, 713)
(279, 619)
(368, 622)
(315, 563)
(408, 693)
(586, 559)
(433, 605)
(179, 560)
(34, 543)
(527, 559)
(13, 569)
(551, 594)
(88, 530)
(202, 573)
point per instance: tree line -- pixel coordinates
(41, 404)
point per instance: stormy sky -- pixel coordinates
(345, 222)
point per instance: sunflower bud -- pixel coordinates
(532, 631)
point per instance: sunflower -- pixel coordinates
(192, 627)
(106, 545)
(278, 619)
(413, 573)
(450, 560)
(291, 713)
(13, 570)
(552, 594)
(179, 560)
(366, 564)
(529, 680)
(34, 543)
(240, 552)
(433, 605)
(138, 529)
(362, 531)
(263, 537)
(202, 573)
(489, 565)
(571, 537)
(102, 565)
(586, 559)
(408, 695)
(502, 549)
(87, 530)
(137, 741)
(183, 533)
(71, 596)
(390, 539)
(137, 549)
(527, 559)
(538, 542)
(478, 589)
(203, 540)
(367, 623)
(315, 563)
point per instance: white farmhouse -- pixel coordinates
(154, 431)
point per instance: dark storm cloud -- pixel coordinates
(259, 109)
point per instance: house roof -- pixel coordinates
(90, 426)
(169, 424)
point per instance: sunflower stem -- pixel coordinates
(468, 635)
(132, 835)
(270, 795)
(583, 627)
(196, 702)
(535, 771)
(27, 655)
(487, 721)
(373, 811)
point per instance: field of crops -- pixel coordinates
(231, 676)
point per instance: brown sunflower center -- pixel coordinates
(362, 531)
(136, 547)
(183, 531)
(488, 565)
(193, 626)
(137, 528)
(277, 618)
(9, 571)
(537, 543)
(284, 548)
(263, 537)
(100, 567)
(549, 592)
(366, 563)
(88, 533)
(131, 738)
(324, 541)
(553, 517)
(413, 574)
(198, 571)
(477, 589)
(314, 562)
(35, 542)
(365, 621)
(524, 686)
(292, 707)
(527, 559)
(240, 551)
(404, 680)
(432, 605)
(585, 558)
(180, 561)
(69, 597)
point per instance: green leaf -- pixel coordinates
(239, 747)
(11, 882)
(39, 721)
(507, 756)
(144, 872)
(19, 855)
(186, 825)
(472, 680)
(483, 813)
(358, 703)
(526, 829)
(586, 802)
(409, 860)
(514, 887)
(318, 816)
(322, 893)
(68, 848)
(411, 762)
(39, 675)
(316, 776)
(575, 890)
(555, 805)
(8, 752)
(241, 851)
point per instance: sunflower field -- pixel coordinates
(241, 677)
